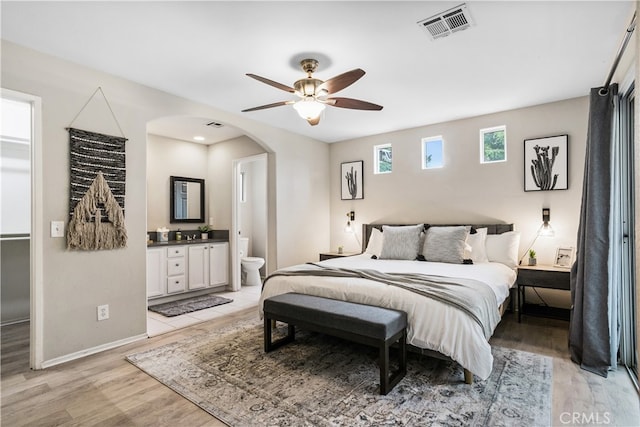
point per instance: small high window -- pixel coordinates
(493, 144)
(382, 158)
(432, 154)
(242, 188)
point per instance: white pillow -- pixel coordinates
(503, 248)
(477, 242)
(401, 242)
(374, 247)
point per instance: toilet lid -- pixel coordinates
(251, 258)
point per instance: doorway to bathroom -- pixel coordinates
(249, 216)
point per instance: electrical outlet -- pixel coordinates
(103, 312)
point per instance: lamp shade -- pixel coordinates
(545, 229)
(309, 108)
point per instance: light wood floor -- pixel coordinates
(104, 389)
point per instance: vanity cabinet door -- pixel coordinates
(155, 272)
(198, 266)
(218, 264)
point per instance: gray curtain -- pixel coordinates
(589, 337)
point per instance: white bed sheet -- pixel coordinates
(433, 325)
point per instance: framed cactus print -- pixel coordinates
(546, 163)
(351, 183)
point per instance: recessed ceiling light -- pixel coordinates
(198, 138)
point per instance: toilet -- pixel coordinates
(250, 265)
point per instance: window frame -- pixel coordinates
(425, 142)
(492, 129)
(376, 158)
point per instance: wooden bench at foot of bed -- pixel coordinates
(365, 324)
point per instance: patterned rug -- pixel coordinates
(188, 305)
(323, 381)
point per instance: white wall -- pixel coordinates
(75, 283)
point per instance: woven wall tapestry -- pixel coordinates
(97, 191)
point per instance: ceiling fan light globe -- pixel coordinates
(309, 108)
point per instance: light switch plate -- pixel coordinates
(57, 228)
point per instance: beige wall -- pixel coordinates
(221, 157)
(466, 191)
(75, 283)
(168, 157)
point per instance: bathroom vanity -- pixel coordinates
(178, 267)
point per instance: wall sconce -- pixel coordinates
(546, 230)
(350, 217)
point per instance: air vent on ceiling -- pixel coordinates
(447, 22)
(215, 124)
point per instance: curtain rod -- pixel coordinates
(623, 46)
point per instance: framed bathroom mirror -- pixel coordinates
(186, 199)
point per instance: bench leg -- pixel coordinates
(387, 382)
(269, 344)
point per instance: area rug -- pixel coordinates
(188, 305)
(323, 381)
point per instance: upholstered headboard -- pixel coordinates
(491, 229)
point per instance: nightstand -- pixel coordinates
(542, 276)
(328, 255)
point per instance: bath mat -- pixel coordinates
(188, 305)
(324, 381)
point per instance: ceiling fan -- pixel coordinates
(314, 93)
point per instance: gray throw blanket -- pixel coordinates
(474, 298)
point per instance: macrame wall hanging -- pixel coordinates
(98, 175)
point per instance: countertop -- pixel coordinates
(185, 242)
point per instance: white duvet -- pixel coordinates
(432, 325)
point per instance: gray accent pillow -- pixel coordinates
(401, 242)
(445, 244)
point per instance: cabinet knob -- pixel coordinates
(177, 281)
(177, 265)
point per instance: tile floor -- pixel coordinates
(248, 296)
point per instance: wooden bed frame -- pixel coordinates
(491, 229)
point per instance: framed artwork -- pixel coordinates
(564, 257)
(351, 182)
(546, 163)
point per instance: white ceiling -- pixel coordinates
(517, 54)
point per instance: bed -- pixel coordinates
(386, 275)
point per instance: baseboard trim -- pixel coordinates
(83, 353)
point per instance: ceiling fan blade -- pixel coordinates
(354, 104)
(272, 83)
(314, 122)
(338, 83)
(262, 107)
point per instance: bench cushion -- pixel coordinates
(370, 321)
